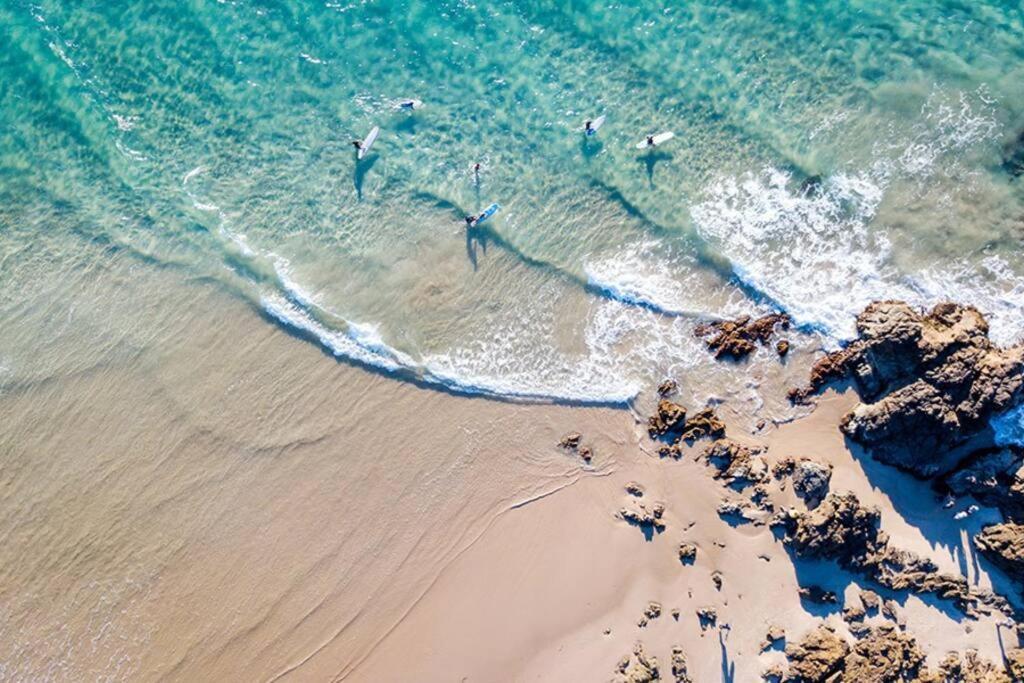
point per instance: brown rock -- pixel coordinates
(679, 670)
(817, 657)
(885, 656)
(707, 617)
(870, 600)
(667, 387)
(570, 441)
(641, 668)
(737, 338)
(687, 553)
(736, 464)
(668, 418)
(1003, 544)
(782, 347)
(934, 379)
(774, 635)
(703, 424)
(818, 595)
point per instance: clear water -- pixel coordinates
(825, 154)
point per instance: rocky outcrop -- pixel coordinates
(649, 519)
(736, 464)
(668, 418)
(930, 382)
(816, 657)
(738, 338)
(1003, 545)
(841, 529)
(885, 655)
(687, 553)
(640, 668)
(811, 480)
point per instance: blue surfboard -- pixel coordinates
(487, 213)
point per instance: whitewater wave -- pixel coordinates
(809, 248)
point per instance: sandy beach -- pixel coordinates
(312, 520)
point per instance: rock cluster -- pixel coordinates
(647, 518)
(994, 477)
(679, 669)
(738, 338)
(841, 529)
(736, 464)
(640, 668)
(670, 421)
(931, 381)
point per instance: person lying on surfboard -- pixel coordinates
(586, 127)
(470, 221)
(358, 144)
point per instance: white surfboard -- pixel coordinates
(409, 104)
(658, 139)
(368, 142)
(595, 125)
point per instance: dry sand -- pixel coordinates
(215, 499)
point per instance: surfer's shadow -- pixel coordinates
(650, 160)
(362, 167)
(475, 237)
(590, 148)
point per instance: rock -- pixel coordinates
(653, 610)
(818, 595)
(741, 511)
(586, 454)
(679, 670)
(704, 424)
(994, 478)
(811, 480)
(707, 617)
(668, 418)
(886, 655)
(736, 464)
(782, 347)
(773, 674)
(841, 529)
(737, 338)
(852, 613)
(634, 489)
(891, 610)
(817, 657)
(643, 669)
(687, 553)
(716, 578)
(675, 613)
(570, 441)
(870, 600)
(783, 468)
(933, 380)
(667, 387)
(640, 515)
(774, 635)
(1003, 545)
(970, 669)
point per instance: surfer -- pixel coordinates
(358, 144)
(470, 221)
(587, 129)
(650, 141)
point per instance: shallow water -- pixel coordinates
(825, 154)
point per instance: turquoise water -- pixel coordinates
(825, 154)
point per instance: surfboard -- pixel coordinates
(596, 124)
(368, 142)
(409, 105)
(658, 139)
(487, 213)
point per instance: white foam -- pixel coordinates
(811, 251)
(642, 274)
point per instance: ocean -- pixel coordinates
(825, 154)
